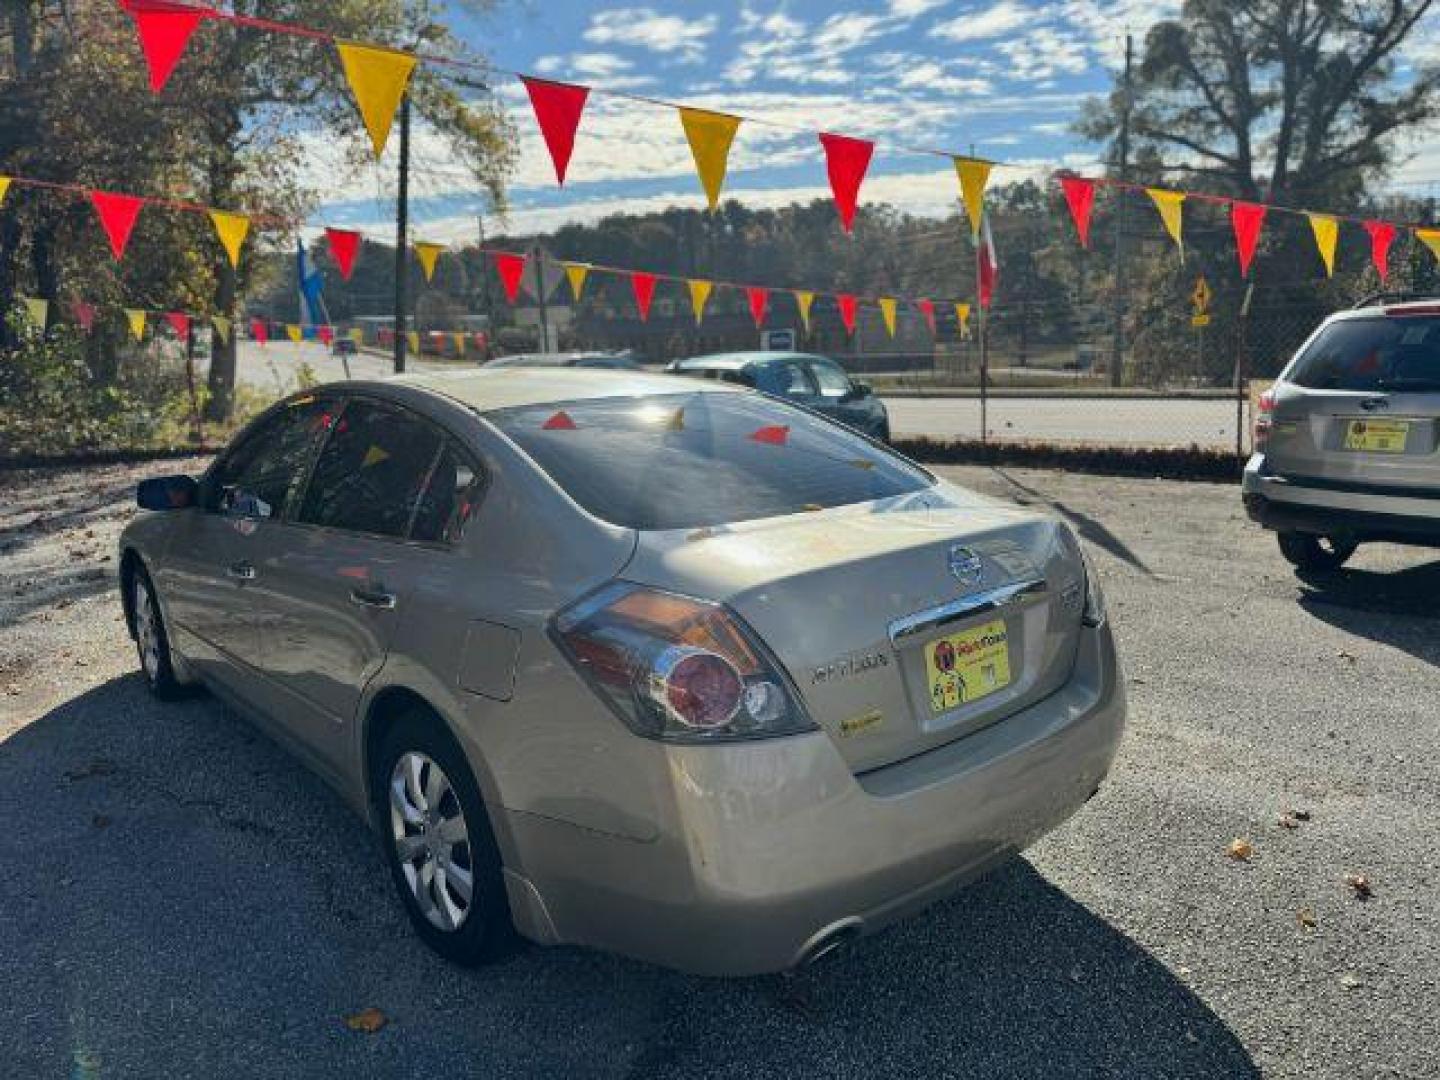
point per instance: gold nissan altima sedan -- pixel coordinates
(656, 666)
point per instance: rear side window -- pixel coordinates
(833, 381)
(1386, 353)
(257, 477)
(370, 475)
(449, 498)
(679, 461)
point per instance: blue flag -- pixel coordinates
(312, 304)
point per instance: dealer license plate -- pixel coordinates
(967, 666)
(1377, 436)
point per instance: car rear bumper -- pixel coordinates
(770, 848)
(1353, 510)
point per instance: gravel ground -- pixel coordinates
(179, 899)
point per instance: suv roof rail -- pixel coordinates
(1392, 298)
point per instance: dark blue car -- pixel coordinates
(816, 382)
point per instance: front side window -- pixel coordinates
(1399, 352)
(784, 378)
(833, 381)
(370, 475)
(259, 475)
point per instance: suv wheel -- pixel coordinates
(442, 853)
(1318, 553)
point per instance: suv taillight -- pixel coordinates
(676, 668)
(1266, 403)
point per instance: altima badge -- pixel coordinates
(966, 567)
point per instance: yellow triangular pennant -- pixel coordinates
(222, 327)
(427, 253)
(38, 311)
(357, 335)
(974, 175)
(710, 135)
(1327, 233)
(962, 319)
(374, 456)
(412, 338)
(1431, 239)
(232, 230)
(377, 78)
(1169, 203)
(459, 344)
(294, 332)
(887, 312)
(136, 318)
(803, 299)
(699, 296)
(576, 272)
(4, 187)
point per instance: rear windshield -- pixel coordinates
(681, 461)
(1395, 353)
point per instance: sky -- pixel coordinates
(1002, 80)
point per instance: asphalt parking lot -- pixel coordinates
(179, 899)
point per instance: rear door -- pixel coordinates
(1361, 403)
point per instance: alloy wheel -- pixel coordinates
(147, 630)
(432, 840)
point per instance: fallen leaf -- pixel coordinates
(368, 1020)
(1299, 815)
(1288, 821)
(1306, 918)
(1361, 886)
(1240, 850)
(1343, 655)
(1350, 982)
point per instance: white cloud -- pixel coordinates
(646, 28)
(928, 75)
(910, 9)
(614, 71)
(1043, 53)
(992, 22)
(843, 33)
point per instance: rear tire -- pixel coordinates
(1318, 554)
(438, 842)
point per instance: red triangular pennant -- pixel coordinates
(846, 160)
(1080, 197)
(773, 435)
(344, 246)
(927, 308)
(847, 305)
(1246, 218)
(164, 30)
(259, 331)
(1382, 235)
(326, 334)
(643, 285)
(180, 323)
(758, 297)
(557, 110)
(512, 269)
(117, 217)
(84, 314)
(559, 422)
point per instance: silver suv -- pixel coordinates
(1346, 440)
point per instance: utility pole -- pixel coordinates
(485, 306)
(1117, 339)
(402, 229)
(538, 257)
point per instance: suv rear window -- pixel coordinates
(682, 461)
(1390, 353)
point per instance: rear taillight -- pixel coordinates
(676, 668)
(1266, 404)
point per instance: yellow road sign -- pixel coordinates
(1201, 296)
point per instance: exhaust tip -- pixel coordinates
(828, 941)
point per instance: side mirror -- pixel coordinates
(167, 493)
(859, 390)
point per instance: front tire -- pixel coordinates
(152, 641)
(1317, 554)
(438, 842)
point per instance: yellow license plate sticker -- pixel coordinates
(965, 667)
(1378, 436)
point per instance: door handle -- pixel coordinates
(370, 598)
(241, 571)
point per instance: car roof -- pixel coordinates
(485, 389)
(737, 360)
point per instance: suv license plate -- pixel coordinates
(1377, 436)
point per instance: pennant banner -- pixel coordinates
(84, 314)
(118, 214)
(643, 286)
(357, 335)
(344, 246)
(1170, 204)
(974, 175)
(136, 319)
(378, 79)
(180, 323)
(4, 187)
(37, 311)
(1327, 234)
(1246, 218)
(757, 298)
(1431, 239)
(710, 135)
(846, 161)
(962, 319)
(927, 309)
(232, 230)
(803, 299)
(222, 327)
(326, 334)
(459, 340)
(164, 29)
(576, 273)
(847, 305)
(427, 253)
(1382, 235)
(1080, 198)
(512, 269)
(557, 110)
(294, 332)
(412, 339)
(887, 312)
(699, 297)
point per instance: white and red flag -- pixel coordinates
(987, 264)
